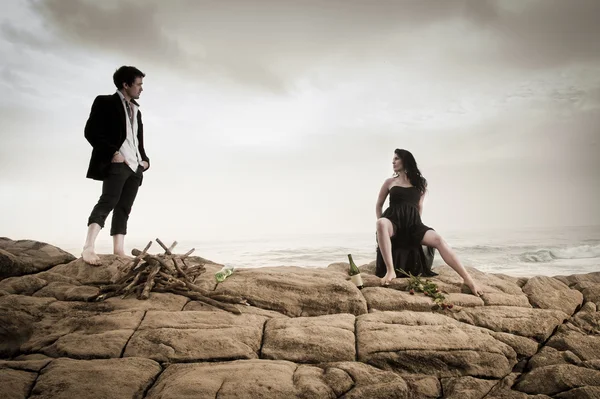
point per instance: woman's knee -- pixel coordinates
(383, 224)
(437, 241)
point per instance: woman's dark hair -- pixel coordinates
(412, 171)
(126, 74)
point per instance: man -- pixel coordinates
(114, 129)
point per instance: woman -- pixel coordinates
(400, 232)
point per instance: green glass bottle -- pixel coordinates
(354, 273)
(222, 274)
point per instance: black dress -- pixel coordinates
(407, 252)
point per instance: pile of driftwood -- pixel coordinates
(167, 272)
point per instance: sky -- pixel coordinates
(276, 117)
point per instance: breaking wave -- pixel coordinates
(548, 255)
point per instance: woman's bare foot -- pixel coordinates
(90, 257)
(387, 279)
(475, 290)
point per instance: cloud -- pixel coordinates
(272, 44)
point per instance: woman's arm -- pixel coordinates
(383, 193)
(421, 200)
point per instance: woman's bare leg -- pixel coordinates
(385, 232)
(433, 239)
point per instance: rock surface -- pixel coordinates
(307, 333)
(27, 256)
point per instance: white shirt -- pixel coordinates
(130, 148)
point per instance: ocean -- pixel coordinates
(525, 252)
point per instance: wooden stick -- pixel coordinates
(229, 299)
(199, 297)
(164, 264)
(125, 269)
(188, 253)
(150, 282)
(128, 288)
(167, 250)
(179, 270)
(133, 271)
(139, 256)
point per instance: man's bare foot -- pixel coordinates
(387, 279)
(475, 290)
(121, 253)
(89, 256)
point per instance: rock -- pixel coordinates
(464, 300)
(106, 378)
(548, 356)
(18, 314)
(395, 300)
(523, 346)
(306, 334)
(201, 306)
(51, 277)
(520, 281)
(503, 390)
(397, 284)
(26, 257)
(369, 268)
(489, 283)
(341, 267)
(592, 294)
(339, 380)
(207, 279)
(579, 338)
(423, 386)
(430, 344)
(371, 382)
(533, 323)
(16, 384)
(466, 387)
(253, 378)
(93, 275)
(552, 380)
(328, 338)
(17, 377)
(501, 299)
(278, 379)
(550, 293)
(585, 347)
(156, 301)
(25, 365)
(592, 364)
(10, 266)
(587, 319)
(23, 285)
(83, 336)
(593, 277)
(197, 336)
(68, 292)
(580, 393)
(295, 291)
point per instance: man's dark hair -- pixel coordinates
(126, 74)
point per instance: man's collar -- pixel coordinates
(123, 98)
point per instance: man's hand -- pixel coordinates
(145, 165)
(118, 158)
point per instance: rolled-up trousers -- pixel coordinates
(119, 190)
